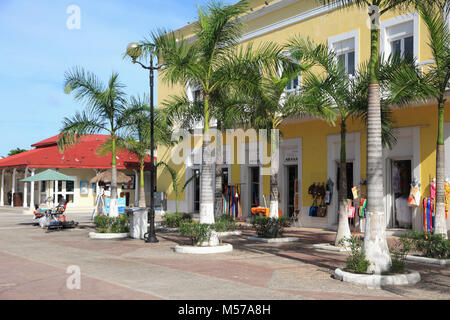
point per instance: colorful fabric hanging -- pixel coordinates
(428, 211)
(362, 208)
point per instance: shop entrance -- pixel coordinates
(349, 187)
(196, 182)
(254, 187)
(292, 188)
(401, 184)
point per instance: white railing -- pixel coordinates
(425, 66)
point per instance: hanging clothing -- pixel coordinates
(428, 212)
(396, 183)
(403, 211)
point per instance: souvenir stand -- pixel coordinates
(231, 201)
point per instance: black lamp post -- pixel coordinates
(134, 51)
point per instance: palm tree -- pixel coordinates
(209, 63)
(375, 243)
(136, 139)
(106, 112)
(176, 179)
(433, 84)
(330, 88)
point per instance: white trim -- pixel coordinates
(384, 25)
(354, 34)
(286, 22)
(32, 200)
(353, 140)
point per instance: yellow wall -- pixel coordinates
(314, 133)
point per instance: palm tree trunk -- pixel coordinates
(440, 226)
(206, 192)
(113, 204)
(141, 203)
(375, 244)
(343, 231)
(274, 169)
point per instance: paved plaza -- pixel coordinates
(34, 265)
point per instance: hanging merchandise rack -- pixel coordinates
(231, 201)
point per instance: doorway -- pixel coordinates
(254, 187)
(292, 188)
(349, 194)
(401, 185)
(196, 181)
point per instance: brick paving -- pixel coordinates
(33, 265)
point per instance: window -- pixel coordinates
(401, 39)
(345, 52)
(399, 36)
(197, 95)
(295, 84)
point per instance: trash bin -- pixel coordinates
(138, 218)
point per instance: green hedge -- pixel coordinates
(225, 223)
(173, 220)
(269, 227)
(430, 245)
(197, 232)
(105, 224)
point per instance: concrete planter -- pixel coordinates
(229, 233)
(329, 247)
(106, 236)
(374, 281)
(442, 262)
(274, 240)
(221, 248)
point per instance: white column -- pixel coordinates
(136, 189)
(25, 190)
(13, 186)
(2, 189)
(32, 191)
(55, 193)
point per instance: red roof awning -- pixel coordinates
(80, 155)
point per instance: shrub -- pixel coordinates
(356, 261)
(225, 223)
(269, 227)
(399, 252)
(105, 224)
(197, 232)
(173, 220)
(431, 245)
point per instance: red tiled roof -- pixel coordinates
(81, 155)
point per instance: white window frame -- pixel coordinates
(353, 34)
(299, 78)
(385, 41)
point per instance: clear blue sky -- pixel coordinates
(38, 47)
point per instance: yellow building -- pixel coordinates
(310, 148)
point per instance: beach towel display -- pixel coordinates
(428, 212)
(447, 197)
(231, 201)
(350, 209)
(362, 208)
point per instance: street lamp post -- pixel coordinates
(134, 51)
